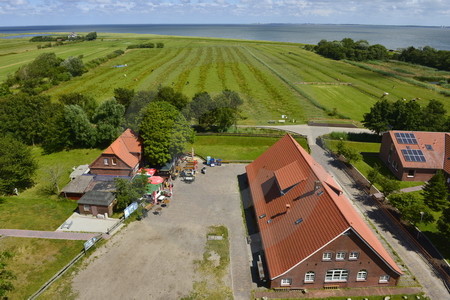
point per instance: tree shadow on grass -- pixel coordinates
(373, 161)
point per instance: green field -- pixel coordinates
(35, 261)
(272, 78)
(234, 147)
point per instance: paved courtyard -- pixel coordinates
(80, 223)
(154, 258)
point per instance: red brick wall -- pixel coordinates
(98, 167)
(367, 260)
(101, 210)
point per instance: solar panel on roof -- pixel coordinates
(413, 155)
(406, 138)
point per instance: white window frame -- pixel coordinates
(354, 255)
(327, 256)
(384, 279)
(413, 173)
(113, 161)
(286, 282)
(86, 207)
(341, 255)
(336, 275)
(309, 276)
(106, 161)
(361, 276)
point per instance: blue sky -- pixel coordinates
(70, 12)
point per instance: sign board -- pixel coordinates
(89, 243)
(130, 209)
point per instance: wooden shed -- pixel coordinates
(96, 203)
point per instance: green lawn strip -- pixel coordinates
(370, 160)
(234, 147)
(34, 213)
(35, 261)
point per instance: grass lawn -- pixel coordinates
(370, 160)
(35, 261)
(234, 147)
(391, 297)
(273, 78)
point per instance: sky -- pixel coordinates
(78, 12)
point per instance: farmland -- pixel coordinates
(272, 78)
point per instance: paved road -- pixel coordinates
(433, 286)
(47, 234)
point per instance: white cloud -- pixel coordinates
(243, 11)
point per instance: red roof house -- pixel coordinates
(311, 235)
(415, 155)
(121, 158)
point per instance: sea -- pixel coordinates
(392, 37)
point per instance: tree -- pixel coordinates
(74, 65)
(81, 133)
(53, 176)
(87, 103)
(200, 105)
(350, 154)
(412, 208)
(124, 96)
(164, 131)
(388, 186)
(443, 223)
(137, 107)
(435, 192)
(91, 36)
(376, 119)
(25, 117)
(168, 94)
(5, 275)
(17, 165)
(128, 191)
(434, 116)
(374, 174)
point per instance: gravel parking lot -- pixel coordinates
(154, 258)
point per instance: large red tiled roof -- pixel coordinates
(123, 147)
(434, 158)
(318, 211)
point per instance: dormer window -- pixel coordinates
(106, 161)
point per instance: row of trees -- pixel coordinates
(347, 48)
(407, 115)
(77, 37)
(75, 122)
(426, 56)
(146, 45)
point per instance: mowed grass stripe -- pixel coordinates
(182, 82)
(204, 68)
(165, 71)
(309, 105)
(221, 67)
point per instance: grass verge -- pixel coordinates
(36, 260)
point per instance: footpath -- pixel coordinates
(58, 235)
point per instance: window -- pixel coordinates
(411, 173)
(86, 207)
(353, 255)
(106, 161)
(327, 256)
(336, 275)
(361, 276)
(309, 276)
(113, 161)
(384, 279)
(286, 281)
(395, 165)
(340, 256)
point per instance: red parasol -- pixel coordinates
(155, 180)
(147, 171)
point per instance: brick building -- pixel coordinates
(311, 235)
(121, 158)
(415, 155)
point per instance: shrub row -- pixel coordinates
(98, 61)
(146, 45)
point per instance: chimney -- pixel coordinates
(288, 207)
(317, 185)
